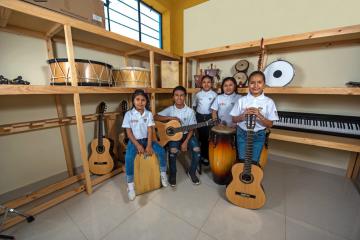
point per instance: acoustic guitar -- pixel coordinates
(245, 189)
(100, 160)
(173, 131)
(123, 139)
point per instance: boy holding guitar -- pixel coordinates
(186, 116)
(138, 123)
(262, 107)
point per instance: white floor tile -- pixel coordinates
(204, 236)
(153, 222)
(231, 222)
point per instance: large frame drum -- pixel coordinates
(132, 77)
(222, 153)
(89, 73)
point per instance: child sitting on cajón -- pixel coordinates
(138, 123)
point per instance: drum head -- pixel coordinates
(240, 77)
(242, 65)
(279, 73)
(223, 129)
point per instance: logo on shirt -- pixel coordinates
(134, 121)
(222, 104)
(145, 119)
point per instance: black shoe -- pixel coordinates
(194, 179)
(172, 180)
(205, 162)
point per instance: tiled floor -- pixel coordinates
(301, 204)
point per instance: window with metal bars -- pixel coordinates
(134, 19)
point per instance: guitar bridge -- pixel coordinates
(245, 195)
(100, 163)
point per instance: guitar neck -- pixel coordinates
(100, 132)
(249, 151)
(191, 127)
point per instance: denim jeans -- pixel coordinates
(131, 152)
(195, 155)
(258, 143)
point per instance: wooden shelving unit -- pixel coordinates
(349, 35)
(22, 18)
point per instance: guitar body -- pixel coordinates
(164, 132)
(100, 161)
(246, 194)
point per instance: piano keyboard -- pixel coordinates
(345, 126)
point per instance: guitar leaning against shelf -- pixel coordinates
(100, 160)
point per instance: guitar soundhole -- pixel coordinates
(170, 131)
(246, 178)
(100, 149)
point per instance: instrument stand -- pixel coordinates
(12, 211)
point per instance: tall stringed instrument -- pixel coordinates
(100, 160)
(173, 131)
(245, 189)
(123, 139)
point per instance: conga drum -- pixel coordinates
(89, 73)
(146, 173)
(222, 153)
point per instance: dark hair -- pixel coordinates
(257, 73)
(207, 76)
(228, 79)
(181, 88)
(142, 93)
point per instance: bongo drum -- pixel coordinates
(222, 153)
(241, 78)
(242, 65)
(132, 77)
(89, 73)
(146, 173)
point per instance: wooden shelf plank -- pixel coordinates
(30, 17)
(35, 89)
(252, 47)
(320, 140)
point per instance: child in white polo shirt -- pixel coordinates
(223, 103)
(138, 123)
(186, 116)
(262, 107)
(202, 103)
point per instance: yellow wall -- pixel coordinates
(173, 21)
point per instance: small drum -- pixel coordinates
(132, 77)
(89, 73)
(279, 73)
(241, 79)
(242, 65)
(222, 153)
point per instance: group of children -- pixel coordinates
(229, 107)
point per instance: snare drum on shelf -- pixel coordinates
(89, 73)
(132, 77)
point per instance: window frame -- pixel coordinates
(108, 20)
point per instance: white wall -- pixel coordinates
(29, 157)
(219, 22)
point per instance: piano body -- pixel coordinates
(336, 125)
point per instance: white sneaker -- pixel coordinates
(164, 181)
(131, 191)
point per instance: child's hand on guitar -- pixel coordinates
(140, 148)
(149, 150)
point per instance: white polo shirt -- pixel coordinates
(266, 105)
(203, 100)
(138, 122)
(223, 104)
(185, 114)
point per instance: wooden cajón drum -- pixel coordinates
(89, 73)
(222, 153)
(132, 77)
(146, 173)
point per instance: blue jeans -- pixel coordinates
(258, 143)
(193, 147)
(131, 152)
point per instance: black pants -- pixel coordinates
(204, 134)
